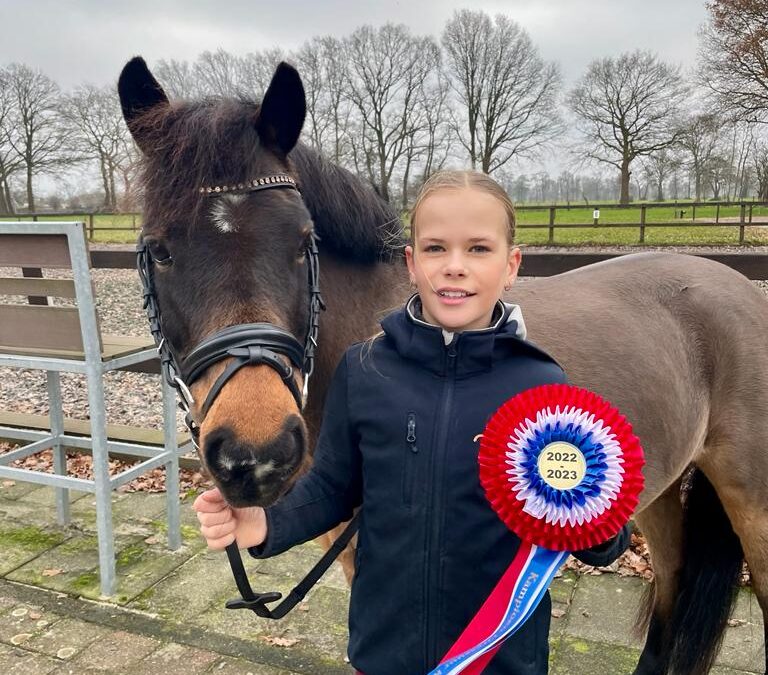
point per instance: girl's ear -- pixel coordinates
(513, 265)
(409, 262)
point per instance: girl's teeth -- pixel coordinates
(454, 294)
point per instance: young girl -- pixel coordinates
(398, 440)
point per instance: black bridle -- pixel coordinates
(249, 344)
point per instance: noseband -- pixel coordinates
(247, 344)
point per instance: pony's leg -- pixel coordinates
(747, 508)
(662, 525)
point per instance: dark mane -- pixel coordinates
(351, 219)
(214, 142)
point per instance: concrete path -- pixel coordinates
(168, 615)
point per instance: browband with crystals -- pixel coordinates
(278, 180)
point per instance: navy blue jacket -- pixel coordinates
(397, 438)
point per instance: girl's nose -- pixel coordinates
(455, 266)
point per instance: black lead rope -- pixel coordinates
(256, 602)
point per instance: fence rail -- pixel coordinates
(684, 215)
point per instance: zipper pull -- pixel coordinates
(411, 434)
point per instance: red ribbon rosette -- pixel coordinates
(561, 467)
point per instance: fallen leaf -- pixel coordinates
(35, 615)
(558, 613)
(736, 622)
(51, 572)
(9, 483)
(151, 540)
(280, 641)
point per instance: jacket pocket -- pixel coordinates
(409, 461)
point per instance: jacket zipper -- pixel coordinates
(410, 460)
(435, 511)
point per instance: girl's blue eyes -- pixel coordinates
(477, 248)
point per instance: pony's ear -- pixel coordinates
(283, 109)
(139, 91)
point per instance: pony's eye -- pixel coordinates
(160, 254)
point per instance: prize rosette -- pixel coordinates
(563, 470)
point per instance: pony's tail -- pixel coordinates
(712, 563)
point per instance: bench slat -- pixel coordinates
(58, 288)
(41, 327)
(34, 250)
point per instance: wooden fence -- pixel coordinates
(684, 215)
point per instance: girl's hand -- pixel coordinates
(220, 524)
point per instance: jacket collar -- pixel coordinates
(430, 346)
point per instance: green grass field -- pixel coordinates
(123, 228)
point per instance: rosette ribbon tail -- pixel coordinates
(510, 604)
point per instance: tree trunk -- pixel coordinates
(104, 179)
(660, 192)
(30, 192)
(625, 176)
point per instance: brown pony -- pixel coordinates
(676, 342)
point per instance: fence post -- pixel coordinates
(133, 222)
(717, 213)
(751, 206)
(90, 227)
(693, 211)
(642, 224)
(551, 225)
(742, 214)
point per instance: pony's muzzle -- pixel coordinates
(255, 475)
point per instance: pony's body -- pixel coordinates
(677, 343)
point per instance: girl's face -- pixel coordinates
(461, 259)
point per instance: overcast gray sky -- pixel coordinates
(76, 41)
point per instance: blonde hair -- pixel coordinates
(456, 180)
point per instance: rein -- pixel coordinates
(247, 344)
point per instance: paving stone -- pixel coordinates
(117, 651)
(240, 667)
(743, 644)
(190, 588)
(19, 544)
(45, 496)
(15, 489)
(78, 562)
(21, 662)
(24, 620)
(321, 625)
(175, 659)
(575, 656)
(65, 639)
(604, 608)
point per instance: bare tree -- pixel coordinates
(627, 108)
(387, 68)
(507, 92)
(733, 57)
(178, 78)
(323, 69)
(10, 161)
(699, 137)
(760, 165)
(98, 132)
(216, 73)
(659, 167)
(39, 138)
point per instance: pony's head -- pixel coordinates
(228, 257)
